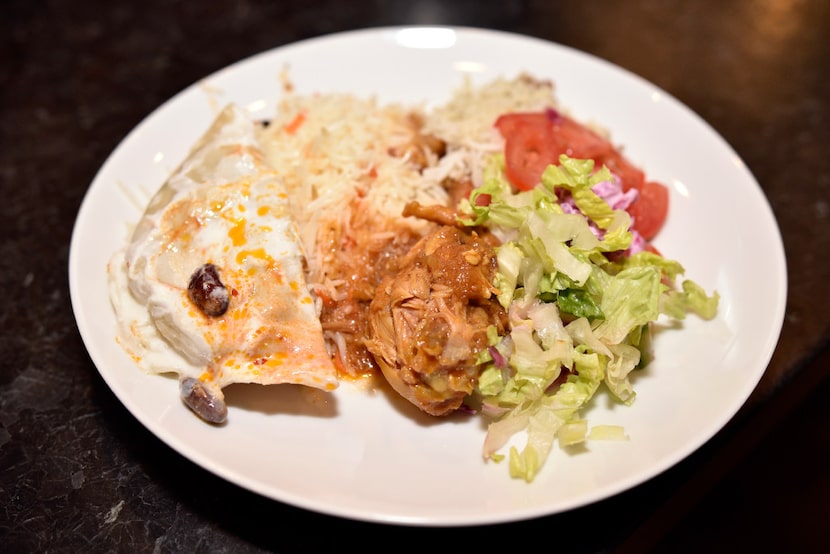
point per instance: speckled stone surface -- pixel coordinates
(79, 474)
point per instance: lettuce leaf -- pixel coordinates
(580, 307)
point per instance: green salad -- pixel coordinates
(581, 298)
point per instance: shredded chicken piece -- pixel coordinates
(365, 263)
(428, 321)
(443, 215)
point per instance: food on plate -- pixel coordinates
(211, 285)
(577, 275)
(350, 165)
(487, 255)
(429, 321)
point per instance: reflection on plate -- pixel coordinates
(370, 457)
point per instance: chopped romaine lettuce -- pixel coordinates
(580, 301)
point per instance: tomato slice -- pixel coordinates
(534, 140)
(507, 123)
(529, 147)
(631, 176)
(578, 141)
(650, 209)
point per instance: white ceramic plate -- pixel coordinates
(370, 457)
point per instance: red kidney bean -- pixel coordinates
(204, 403)
(207, 291)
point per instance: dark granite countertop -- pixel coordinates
(78, 473)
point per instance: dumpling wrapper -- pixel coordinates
(225, 206)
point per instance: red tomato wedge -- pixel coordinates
(650, 209)
(507, 123)
(529, 147)
(631, 176)
(534, 140)
(578, 141)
